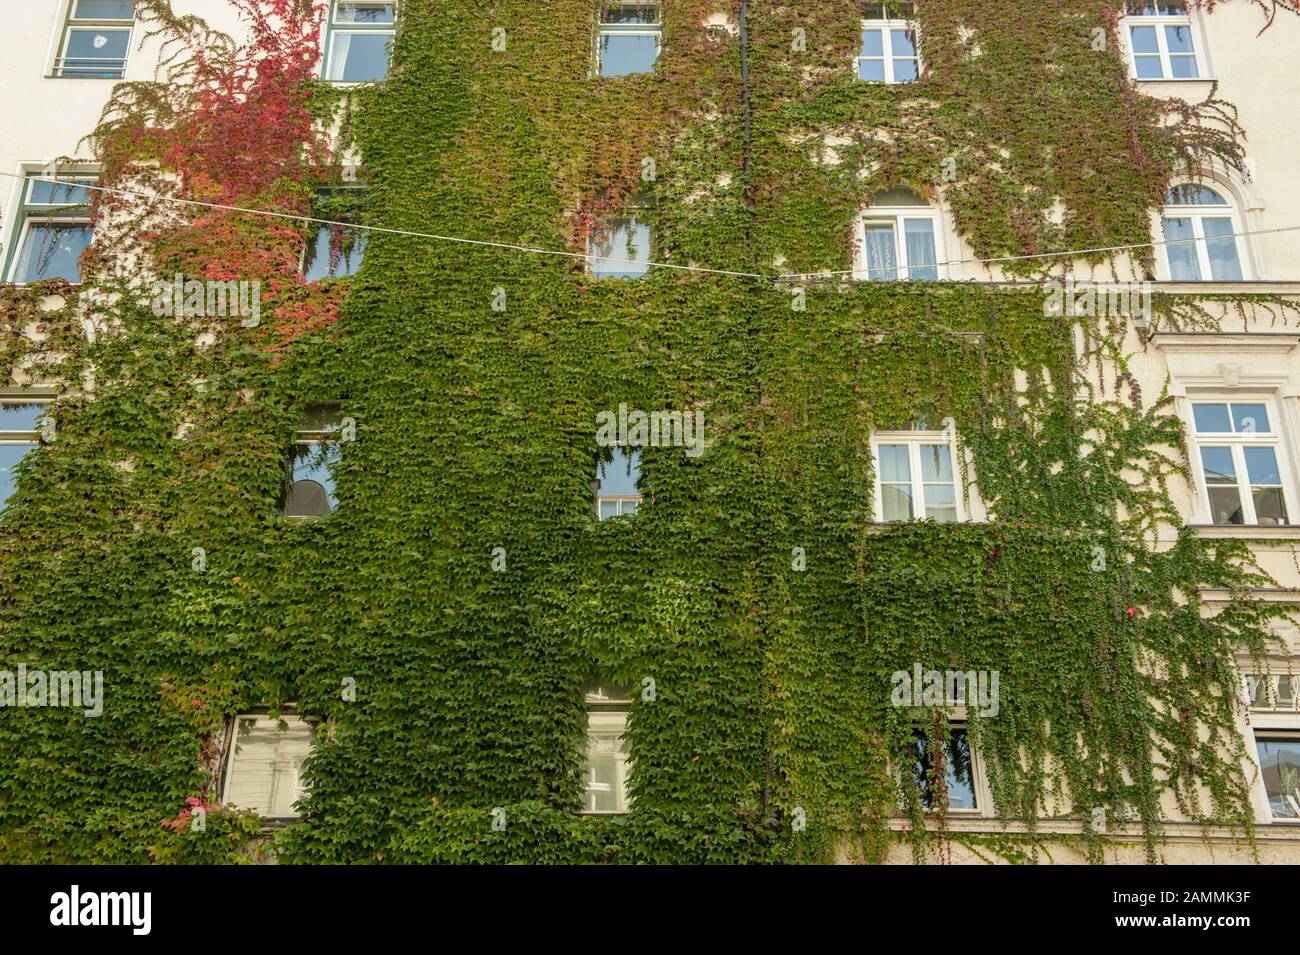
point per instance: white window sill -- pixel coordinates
(1247, 531)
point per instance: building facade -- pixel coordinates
(665, 431)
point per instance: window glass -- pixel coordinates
(43, 192)
(624, 53)
(1193, 194)
(633, 13)
(958, 775)
(606, 768)
(895, 477)
(620, 250)
(104, 10)
(365, 13)
(21, 415)
(1181, 249)
(1250, 418)
(264, 770)
(11, 452)
(1221, 246)
(882, 259)
(343, 259)
(359, 57)
(1211, 418)
(1279, 763)
(51, 250)
(921, 260)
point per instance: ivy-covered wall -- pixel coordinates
(476, 430)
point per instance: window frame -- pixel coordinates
(333, 28)
(896, 217)
(1285, 730)
(1196, 212)
(1237, 441)
(28, 213)
(598, 705)
(655, 29)
(71, 23)
(619, 500)
(884, 27)
(288, 712)
(1159, 21)
(914, 440)
(312, 438)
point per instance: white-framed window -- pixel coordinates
(628, 37)
(96, 39)
(899, 238)
(1278, 752)
(358, 40)
(618, 483)
(916, 474)
(52, 227)
(960, 769)
(1202, 240)
(315, 455)
(606, 767)
(263, 763)
(1162, 40)
(888, 53)
(1241, 461)
(22, 423)
(618, 248)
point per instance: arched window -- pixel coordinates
(1200, 233)
(899, 241)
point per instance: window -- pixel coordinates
(619, 248)
(915, 476)
(1200, 240)
(358, 37)
(96, 39)
(605, 772)
(1239, 452)
(1160, 40)
(959, 769)
(264, 763)
(52, 228)
(316, 452)
(888, 53)
(20, 430)
(335, 252)
(617, 484)
(627, 38)
(898, 238)
(1279, 764)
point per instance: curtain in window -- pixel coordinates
(921, 260)
(882, 261)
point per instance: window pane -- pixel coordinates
(10, 455)
(904, 71)
(42, 192)
(1250, 418)
(882, 262)
(311, 493)
(622, 251)
(1183, 67)
(608, 509)
(1193, 194)
(631, 13)
(873, 43)
(1222, 249)
(896, 502)
(921, 260)
(104, 10)
(350, 249)
(620, 475)
(1279, 763)
(365, 13)
(897, 196)
(1144, 39)
(894, 463)
(1225, 505)
(1181, 250)
(1178, 38)
(902, 42)
(1285, 690)
(936, 463)
(1270, 507)
(95, 52)
(624, 53)
(958, 776)
(629, 507)
(941, 502)
(605, 772)
(1211, 419)
(1218, 466)
(359, 57)
(871, 70)
(265, 772)
(51, 251)
(21, 415)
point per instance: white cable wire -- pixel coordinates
(584, 255)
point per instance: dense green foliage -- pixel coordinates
(475, 432)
